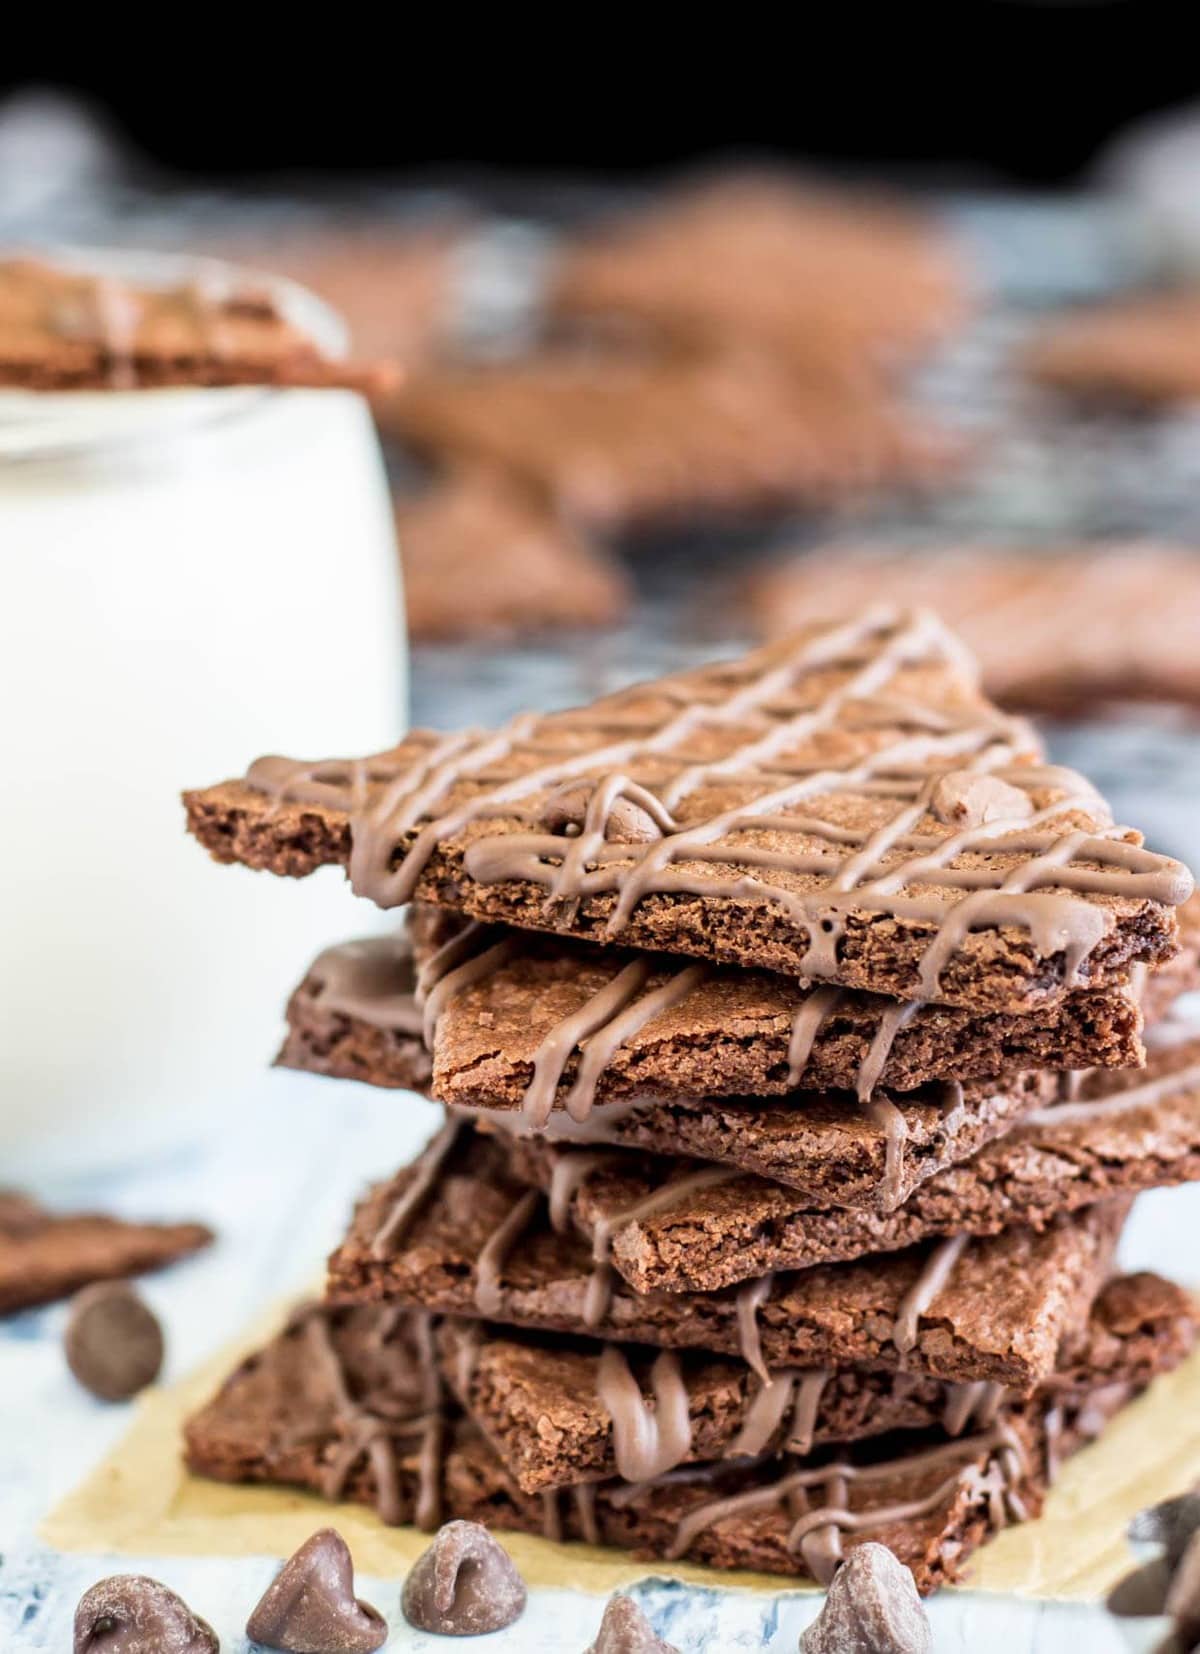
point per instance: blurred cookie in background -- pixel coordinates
(1059, 629)
(485, 557)
(1133, 352)
(796, 266)
(394, 287)
(47, 1255)
(67, 326)
(634, 440)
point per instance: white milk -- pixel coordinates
(190, 579)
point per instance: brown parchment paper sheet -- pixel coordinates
(140, 1500)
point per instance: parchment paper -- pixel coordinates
(140, 1500)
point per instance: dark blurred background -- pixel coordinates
(992, 91)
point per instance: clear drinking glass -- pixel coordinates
(191, 578)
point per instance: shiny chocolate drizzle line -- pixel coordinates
(371, 1435)
(976, 1402)
(802, 1392)
(646, 1440)
(1116, 1103)
(370, 979)
(583, 1497)
(816, 1530)
(412, 797)
(934, 1275)
(425, 1170)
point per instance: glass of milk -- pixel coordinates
(191, 578)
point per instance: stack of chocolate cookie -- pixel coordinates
(784, 1013)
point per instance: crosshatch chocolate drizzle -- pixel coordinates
(404, 805)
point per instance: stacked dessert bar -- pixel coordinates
(787, 1016)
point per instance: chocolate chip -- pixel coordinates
(872, 1607)
(310, 1606)
(1183, 1597)
(1141, 1593)
(464, 1585)
(113, 1342)
(964, 799)
(1171, 1524)
(131, 1614)
(626, 823)
(626, 1630)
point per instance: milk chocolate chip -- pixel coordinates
(627, 822)
(1183, 1596)
(872, 1607)
(963, 799)
(310, 1606)
(1171, 1524)
(131, 1614)
(464, 1585)
(626, 1630)
(113, 1342)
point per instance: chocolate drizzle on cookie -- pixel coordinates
(1034, 870)
(1000, 1461)
(373, 1436)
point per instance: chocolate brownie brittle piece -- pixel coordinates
(342, 1426)
(45, 1256)
(1123, 1132)
(356, 1017)
(560, 1411)
(484, 557)
(748, 1034)
(1059, 629)
(801, 269)
(828, 1148)
(1137, 352)
(632, 440)
(67, 328)
(842, 806)
(455, 1233)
